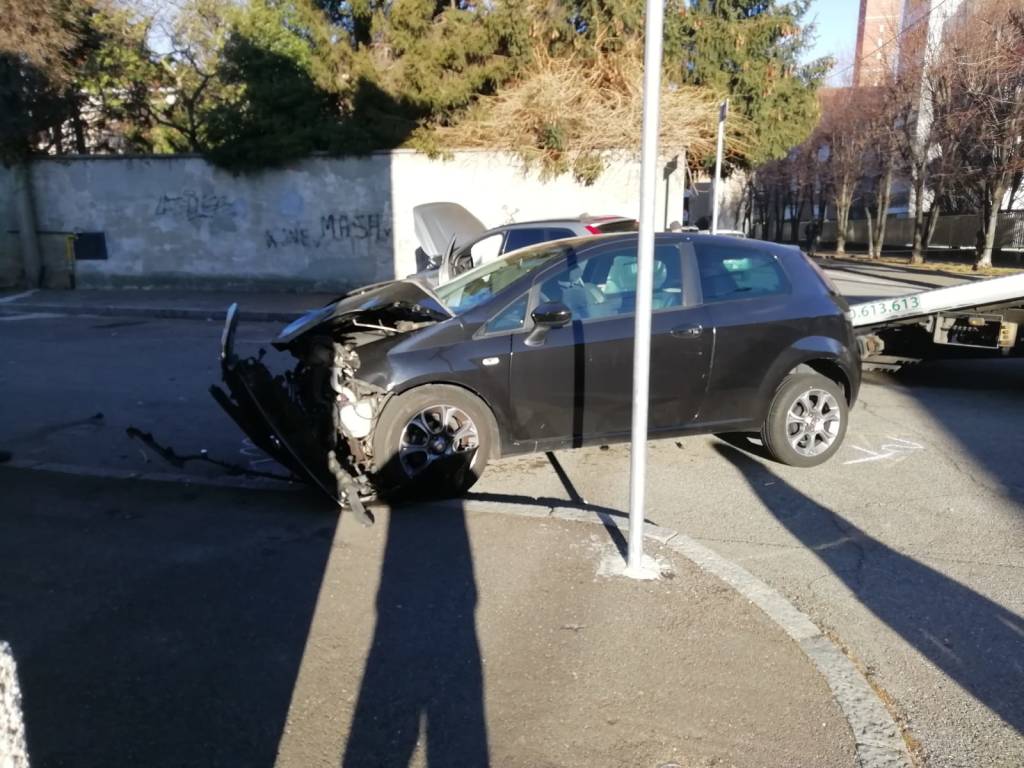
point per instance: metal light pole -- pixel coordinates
(653, 26)
(723, 112)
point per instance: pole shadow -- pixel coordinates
(424, 670)
(973, 640)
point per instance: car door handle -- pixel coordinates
(687, 331)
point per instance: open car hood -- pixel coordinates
(437, 223)
(395, 300)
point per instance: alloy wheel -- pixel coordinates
(433, 433)
(813, 422)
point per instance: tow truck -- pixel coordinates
(982, 318)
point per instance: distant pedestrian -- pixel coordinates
(812, 237)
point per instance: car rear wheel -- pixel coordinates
(807, 420)
(433, 441)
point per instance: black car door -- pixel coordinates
(749, 299)
(576, 386)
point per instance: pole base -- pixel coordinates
(650, 569)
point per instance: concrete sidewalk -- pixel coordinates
(172, 625)
(196, 305)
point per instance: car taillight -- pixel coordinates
(592, 229)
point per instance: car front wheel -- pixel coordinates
(807, 420)
(433, 441)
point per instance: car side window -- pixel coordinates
(728, 272)
(521, 238)
(511, 318)
(605, 285)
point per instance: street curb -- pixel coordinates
(877, 737)
(166, 313)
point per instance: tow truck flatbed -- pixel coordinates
(982, 316)
(983, 293)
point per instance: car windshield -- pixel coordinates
(480, 284)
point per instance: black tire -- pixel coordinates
(403, 468)
(797, 435)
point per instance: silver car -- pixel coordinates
(453, 240)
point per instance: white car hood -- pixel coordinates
(437, 223)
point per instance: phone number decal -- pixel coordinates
(889, 307)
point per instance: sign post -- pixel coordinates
(723, 112)
(653, 29)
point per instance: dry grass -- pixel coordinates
(933, 264)
(572, 114)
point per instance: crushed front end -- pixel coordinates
(317, 419)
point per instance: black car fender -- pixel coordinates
(416, 384)
(823, 354)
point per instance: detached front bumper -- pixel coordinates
(262, 406)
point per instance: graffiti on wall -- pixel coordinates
(195, 206)
(332, 227)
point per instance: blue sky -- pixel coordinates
(835, 27)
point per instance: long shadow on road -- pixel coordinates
(423, 676)
(155, 624)
(979, 404)
(973, 640)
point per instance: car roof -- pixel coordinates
(571, 221)
(585, 243)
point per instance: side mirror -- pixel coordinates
(552, 314)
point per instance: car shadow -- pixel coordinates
(156, 624)
(977, 403)
(976, 642)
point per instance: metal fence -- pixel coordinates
(953, 232)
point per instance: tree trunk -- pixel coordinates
(917, 248)
(871, 231)
(932, 223)
(884, 196)
(794, 235)
(844, 199)
(79, 130)
(780, 216)
(989, 224)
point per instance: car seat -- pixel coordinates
(716, 280)
(622, 280)
(584, 299)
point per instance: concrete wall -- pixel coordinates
(321, 223)
(730, 201)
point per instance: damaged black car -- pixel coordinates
(400, 387)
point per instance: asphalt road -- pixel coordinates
(908, 546)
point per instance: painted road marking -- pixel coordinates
(898, 449)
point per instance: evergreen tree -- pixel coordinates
(749, 50)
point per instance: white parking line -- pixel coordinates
(13, 751)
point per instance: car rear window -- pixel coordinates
(622, 225)
(728, 272)
(520, 238)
